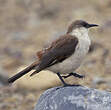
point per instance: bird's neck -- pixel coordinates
(80, 33)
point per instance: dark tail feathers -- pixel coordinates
(23, 72)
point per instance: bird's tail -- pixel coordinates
(23, 72)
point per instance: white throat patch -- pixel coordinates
(80, 33)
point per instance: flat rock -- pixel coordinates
(74, 98)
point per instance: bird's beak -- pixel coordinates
(93, 25)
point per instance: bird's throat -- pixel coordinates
(80, 33)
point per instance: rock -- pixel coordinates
(74, 98)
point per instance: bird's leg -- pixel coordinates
(74, 74)
(60, 77)
(70, 74)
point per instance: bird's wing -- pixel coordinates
(59, 50)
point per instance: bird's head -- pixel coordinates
(80, 24)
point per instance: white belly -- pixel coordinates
(73, 62)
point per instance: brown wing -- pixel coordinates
(58, 51)
(39, 54)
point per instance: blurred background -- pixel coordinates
(27, 25)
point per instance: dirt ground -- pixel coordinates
(26, 25)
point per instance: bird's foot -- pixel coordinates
(65, 85)
(63, 82)
(75, 75)
(78, 75)
(66, 76)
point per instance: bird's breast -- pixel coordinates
(74, 61)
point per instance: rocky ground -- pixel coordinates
(25, 25)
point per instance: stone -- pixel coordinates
(74, 98)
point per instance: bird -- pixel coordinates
(64, 55)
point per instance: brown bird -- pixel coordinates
(64, 55)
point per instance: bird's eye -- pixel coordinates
(86, 25)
